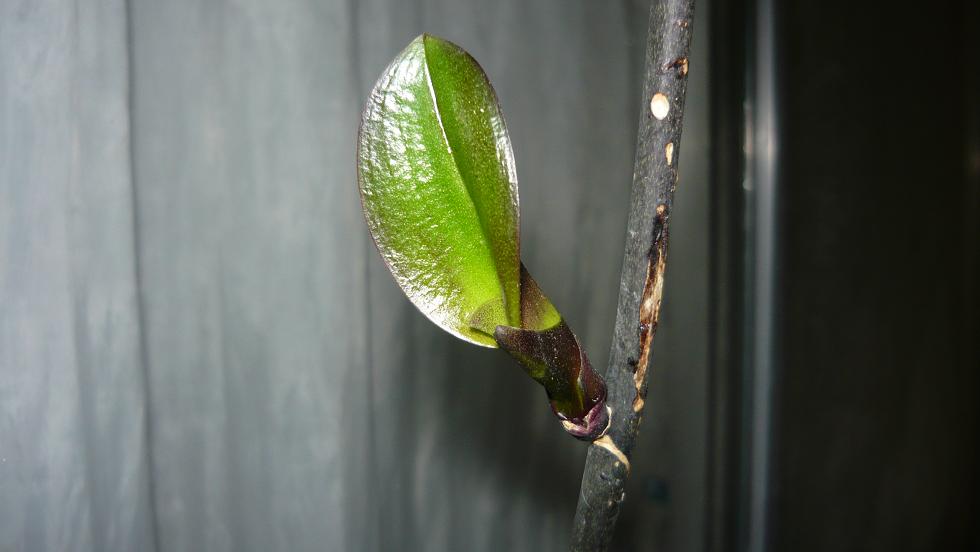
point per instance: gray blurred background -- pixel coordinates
(200, 348)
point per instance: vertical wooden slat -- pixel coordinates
(72, 448)
(254, 275)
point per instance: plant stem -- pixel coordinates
(644, 262)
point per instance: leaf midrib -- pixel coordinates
(469, 192)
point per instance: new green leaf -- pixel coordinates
(439, 191)
(439, 188)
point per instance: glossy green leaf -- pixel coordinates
(439, 189)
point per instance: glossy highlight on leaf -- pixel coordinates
(439, 189)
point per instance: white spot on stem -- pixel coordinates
(659, 106)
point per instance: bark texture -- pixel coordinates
(641, 285)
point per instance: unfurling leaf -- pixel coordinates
(439, 190)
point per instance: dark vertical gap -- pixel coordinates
(744, 227)
(969, 304)
(720, 167)
(971, 232)
(971, 203)
(758, 268)
(726, 245)
(138, 275)
(874, 409)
